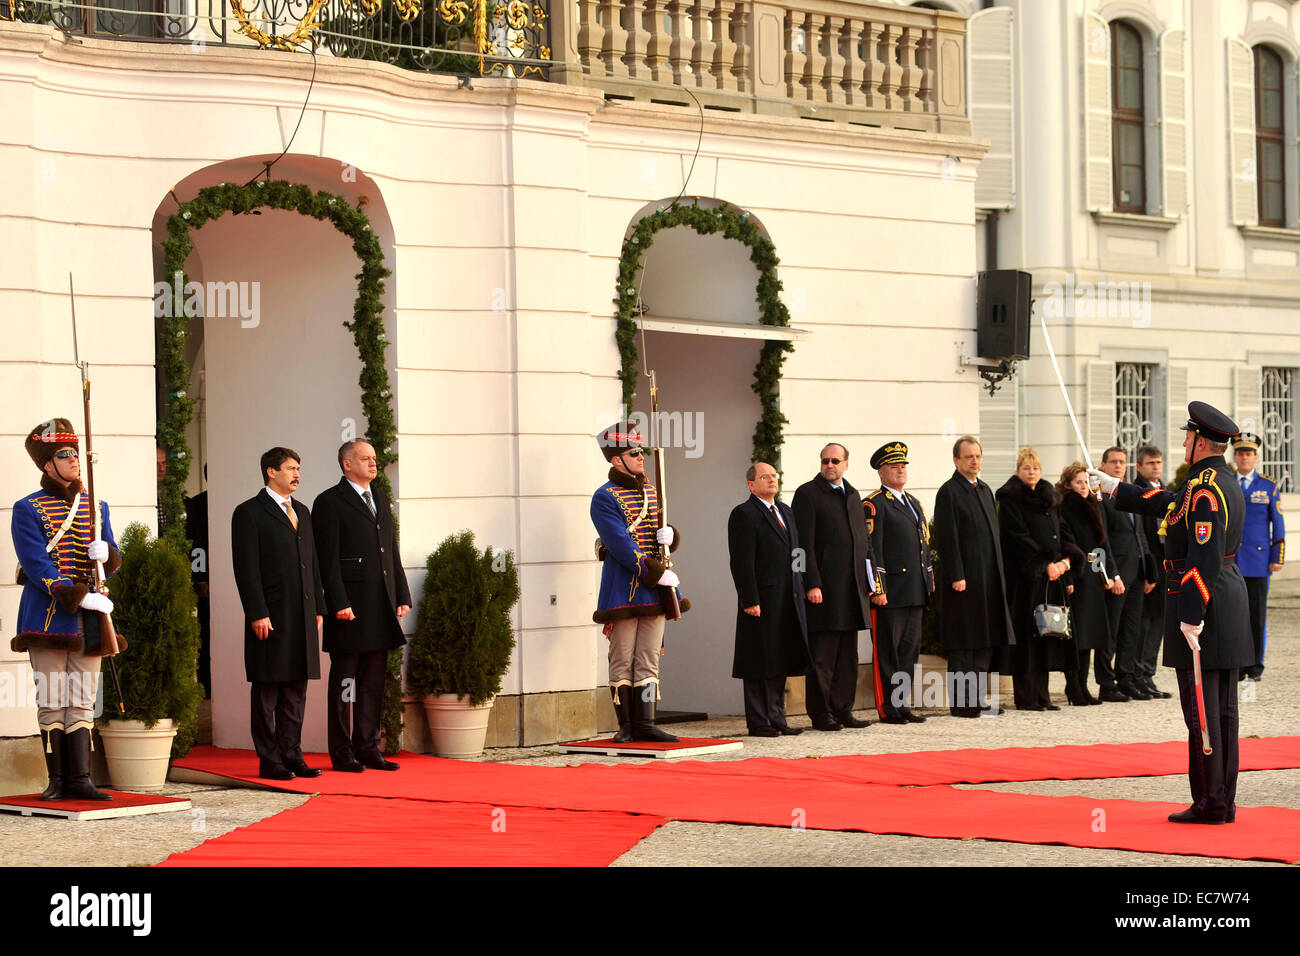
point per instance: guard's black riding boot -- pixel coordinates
(643, 723)
(53, 741)
(76, 782)
(623, 708)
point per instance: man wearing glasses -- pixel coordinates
(625, 511)
(57, 614)
(833, 534)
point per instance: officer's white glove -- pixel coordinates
(1193, 633)
(665, 536)
(1099, 479)
(669, 579)
(94, 601)
(98, 551)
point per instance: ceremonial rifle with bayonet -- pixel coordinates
(101, 639)
(667, 595)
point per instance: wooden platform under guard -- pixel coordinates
(123, 804)
(685, 747)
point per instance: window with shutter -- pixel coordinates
(1175, 409)
(1247, 387)
(1000, 429)
(1101, 407)
(1173, 122)
(1134, 409)
(1128, 119)
(1270, 166)
(1098, 187)
(1241, 134)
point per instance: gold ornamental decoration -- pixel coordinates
(407, 9)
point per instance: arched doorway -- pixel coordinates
(270, 364)
(703, 338)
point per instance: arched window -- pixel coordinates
(1128, 121)
(1270, 146)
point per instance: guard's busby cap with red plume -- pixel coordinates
(618, 438)
(48, 437)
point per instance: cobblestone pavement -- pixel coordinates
(1270, 708)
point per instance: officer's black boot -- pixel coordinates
(643, 721)
(623, 708)
(76, 783)
(53, 741)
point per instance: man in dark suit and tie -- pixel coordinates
(771, 627)
(833, 535)
(900, 540)
(279, 582)
(367, 596)
(1124, 604)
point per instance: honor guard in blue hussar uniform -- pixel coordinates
(900, 541)
(58, 613)
(1205, 603)
(625, 511)
(1263, 542)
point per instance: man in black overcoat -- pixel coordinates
(974, 620)
(1150, 468)
(771, 625)
(366, 596)
(836, 548)
(1206, 609)
(1116, 664)
(196, 529)
(279, 582)
(900, 541)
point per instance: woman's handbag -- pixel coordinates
(1052, 620)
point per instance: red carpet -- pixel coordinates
(814, 794)
(364, 831)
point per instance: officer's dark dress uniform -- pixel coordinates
(900, 541)
(1203, 526)
(1263, 543)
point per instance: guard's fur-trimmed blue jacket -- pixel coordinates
(56, 581)
(631, 571)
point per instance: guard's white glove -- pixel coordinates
(1193, 633)
(98, 551)
(665, 536)
(669, 579)
(94, 601)
(1099, 479)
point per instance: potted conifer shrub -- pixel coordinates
(463, 640)
(154, 607)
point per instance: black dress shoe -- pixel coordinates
(827, 725)
(848, 720)
(274, 772)
(377, 762)
(1030, 707)
(913, 718)
(1194, 814)
(788, 731)
(1155, 692)
(764, 732)
(1114, 695)
(964, 711)
(894, 719)
(1049, 707)
(300, 769)
(348, 766)
(1133, 690)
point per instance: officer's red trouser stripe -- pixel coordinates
(878, 685)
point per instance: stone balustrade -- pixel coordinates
(828, 60)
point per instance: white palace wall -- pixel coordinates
(507, 206)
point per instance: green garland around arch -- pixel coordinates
(366, 326)
(733, 224)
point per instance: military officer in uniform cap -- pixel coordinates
(1263, 541)
(625, 511)
(1206, 605)
(58, 622)
(900, 541)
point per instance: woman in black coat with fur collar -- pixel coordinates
(1034, 554)
(1083, 523)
